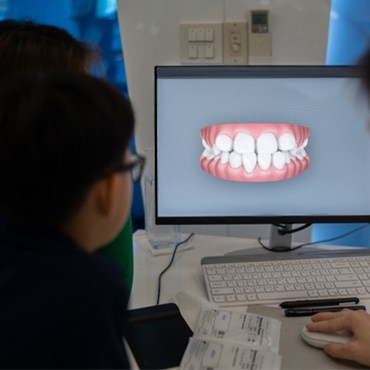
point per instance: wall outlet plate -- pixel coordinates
(235, 42)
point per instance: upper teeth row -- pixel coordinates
(266, 150)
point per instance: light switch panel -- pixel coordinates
(201, 43)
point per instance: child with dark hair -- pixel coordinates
(25, 46)
(29, 45)
(65, 190)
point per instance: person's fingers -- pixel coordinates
(331, 324)
(324, 316)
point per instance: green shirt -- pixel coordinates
(121, 250)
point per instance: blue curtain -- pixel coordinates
(348, 38)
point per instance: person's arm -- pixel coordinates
(356, 322)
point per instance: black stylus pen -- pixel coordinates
(319, 302)
(294, 312)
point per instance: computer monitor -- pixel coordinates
(261, 145)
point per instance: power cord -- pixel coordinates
(283, 229)
(317, 242)
(169, 265)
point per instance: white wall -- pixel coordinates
(150, 36)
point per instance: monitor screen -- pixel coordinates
(248, 144)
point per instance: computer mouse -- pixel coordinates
(319, 340)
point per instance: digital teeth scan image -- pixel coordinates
(254, 152)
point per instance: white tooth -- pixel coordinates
(244, 143)
(299, 153)
(225, 157)
(235, 160)
(210, 155)
(278, 160)
(304, 143)
(216, 150)
(287, 157)
(267, 143)
(264, 161)
(205, 152)
(287, 141)
(205, 144)
(224, 143)
(249, 161)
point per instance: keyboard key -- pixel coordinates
(348, 284)
(346, 277)
(281, 296)
(219, 298)
(223, 291)
(313, 293)
(361, 291)
(232, 284)
(217, 284)
(252, 297)
(231, 298)
(215, 277)
(323, 293)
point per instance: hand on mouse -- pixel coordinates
(356, 322)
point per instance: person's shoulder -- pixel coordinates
(98, 271)
(106, 270)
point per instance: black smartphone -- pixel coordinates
(157, 336)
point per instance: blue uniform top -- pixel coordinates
(60, 307)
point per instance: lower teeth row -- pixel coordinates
(249, 160)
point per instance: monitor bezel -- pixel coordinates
(248, 71)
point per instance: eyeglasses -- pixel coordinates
(135, 166)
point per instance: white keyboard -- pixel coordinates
(277, 277)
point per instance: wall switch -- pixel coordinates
(201, 43)
(235, 42)
(260, 50)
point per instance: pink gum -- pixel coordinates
(224, 171)
(210, 133)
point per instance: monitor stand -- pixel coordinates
(279, 242)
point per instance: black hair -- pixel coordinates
(59, 132)
(26, 45)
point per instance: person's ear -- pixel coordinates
(105, 191)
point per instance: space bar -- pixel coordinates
(282, 295)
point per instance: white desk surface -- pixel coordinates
(185, 275)
(185, 272)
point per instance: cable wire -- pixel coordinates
(169, 265)
(316, 242)
(283, 230)
(337, 237)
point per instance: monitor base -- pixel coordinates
(260, 250)
(280, 241)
